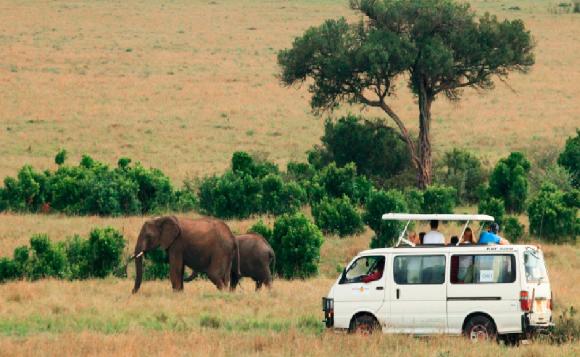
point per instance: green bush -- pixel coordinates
(156, 266)
(337, 216)
(89, 188)
(336, 182)
(60, 157)
(509, 181)
(21, 259)
(279, 197)
(106, 246)
(75, 259)
(513, 230)
(494, 207)
(47, 260)
(553, 214)
(376, 149)
(78, 257)
(297, 242)
(300, 171)
(244, 163)
(249, 188)
(8, 269)
(415, 200)
(379, 203)
(463, 171)
(261, 228)
(230, 195)
(27, 192)
(439, 199)
(155, 191)
(570, 157)
(186, 199)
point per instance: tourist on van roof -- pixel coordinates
(468, 236)
(414, 238)
(421, 237)
(434, 236)
(491, 236)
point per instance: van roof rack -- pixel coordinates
(431, 217)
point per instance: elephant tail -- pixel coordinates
(237, 248)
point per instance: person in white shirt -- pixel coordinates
(434, 236)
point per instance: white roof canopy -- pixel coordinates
(440, 217)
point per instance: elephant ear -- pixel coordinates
(169, 230)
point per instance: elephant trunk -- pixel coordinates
(139, 272)
(139, 252)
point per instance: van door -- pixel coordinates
(418, 295)
(537, 284)
(484, 282)
(360, 288)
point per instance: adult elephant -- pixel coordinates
(204, 244)
(256, 257)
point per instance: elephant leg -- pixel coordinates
(258, 285)
(219, 273)
(176, 270)
(216, 279)
(234, 281)
(268, 281)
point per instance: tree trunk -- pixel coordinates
(424, 164)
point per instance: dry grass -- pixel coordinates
(180, 86)
(101, 317)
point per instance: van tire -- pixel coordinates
(480, 328)
(363, 325)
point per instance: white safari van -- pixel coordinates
(480, 291)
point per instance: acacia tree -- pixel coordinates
(438, 46)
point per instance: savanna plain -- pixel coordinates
(180, 86)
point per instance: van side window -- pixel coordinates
(483, 269)
(535, 268)
(364, 270)
(425, 269)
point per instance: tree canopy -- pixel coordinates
(437, 46)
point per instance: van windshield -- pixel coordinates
(535, 268)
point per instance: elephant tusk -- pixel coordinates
(139, 255)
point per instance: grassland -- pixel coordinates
(102, 317)
(180, 86)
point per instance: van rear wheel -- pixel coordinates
(480, 328)
(363, 325)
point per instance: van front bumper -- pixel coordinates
(328, 308)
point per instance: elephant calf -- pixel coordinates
(256, 256)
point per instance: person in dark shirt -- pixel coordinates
(421, 236)
(468, 236)
(454, 240)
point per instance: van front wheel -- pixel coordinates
(480, 328)
(363, 325)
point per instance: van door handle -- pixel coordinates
(380, 288)
(398, 293)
